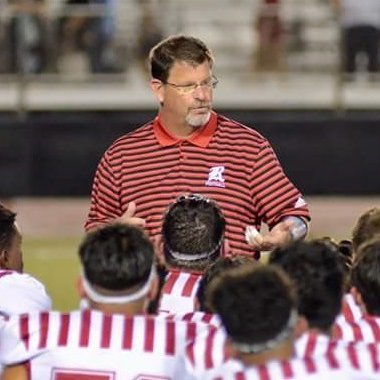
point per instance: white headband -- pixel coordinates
(191, 257)
(256, 348)
(101, 298)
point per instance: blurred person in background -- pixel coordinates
(269, 55)
(27, 36)
(149, 32)
(189, 148)
(360, 23)
(88, 27)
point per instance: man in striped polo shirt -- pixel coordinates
(188, 148)
(114, 338)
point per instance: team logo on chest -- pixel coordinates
(215, 177)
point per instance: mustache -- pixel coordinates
(202, 105)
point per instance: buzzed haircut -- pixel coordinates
(7, 227)
(177, 48)
(316, 269)
(192, 232)
(116, 257)
(254, 302)
(365, 275)
(366, 228)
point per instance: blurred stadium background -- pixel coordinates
(62, 102)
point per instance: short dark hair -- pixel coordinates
(366, 227)
(317, 272)
(7, 227)
(193, 225)
(254, 302)
(116, 257)
(214, 270)
(177, 48)
(365, 275)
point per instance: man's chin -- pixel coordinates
(198, 121)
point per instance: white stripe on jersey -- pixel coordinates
(178, 292)
(196, 316)
(207, 353)
(92, 341)
(366, 329)
(350, 310)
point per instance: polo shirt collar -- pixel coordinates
(199, 138)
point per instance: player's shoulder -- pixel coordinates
(21, 292)
(230, 126)
(9, 278)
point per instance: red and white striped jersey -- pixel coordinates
(366, 329)
(351, 312)
(351, 366)
(93, 344)
(208, 352)
(21, 293)
(178, 292)
(198, 316)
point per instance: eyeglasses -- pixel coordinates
(189, 88)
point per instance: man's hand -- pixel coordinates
(280, 235)
(129, 218)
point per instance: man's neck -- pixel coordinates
(179, 130)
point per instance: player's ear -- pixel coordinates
(80, 289)
(356, 295)
(4, 258)
(153, 290)
(301, 327)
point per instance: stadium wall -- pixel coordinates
(55, 154)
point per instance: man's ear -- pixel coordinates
(4, 259)
(158, 89)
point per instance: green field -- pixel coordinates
(55, 263)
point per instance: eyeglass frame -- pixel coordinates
(190, 88)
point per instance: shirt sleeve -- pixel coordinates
(105, 199)
(273, 193)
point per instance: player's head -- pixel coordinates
(317, 272)
(365, 276)
(10, 241)
(192, 232)
(178, 48)
(117, 264)
(257, 306)
(213, 271)
(366, 228)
